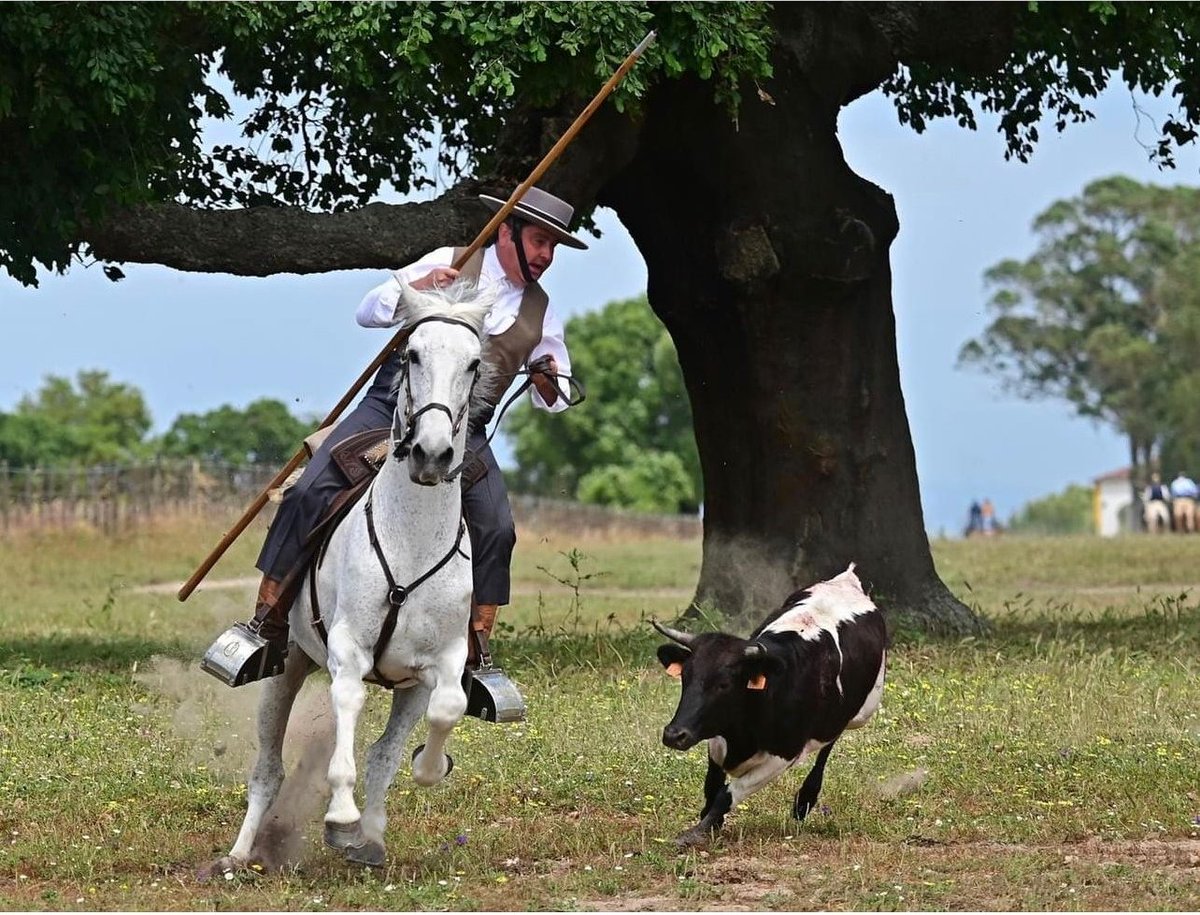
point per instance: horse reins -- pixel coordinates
(534, 368)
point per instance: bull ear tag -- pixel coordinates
(675, 669)
(758, 681)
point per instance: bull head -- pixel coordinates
(721, 673)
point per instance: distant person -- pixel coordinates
(988, 513)
(1183, 502)
(974, 519)
(1157, 510)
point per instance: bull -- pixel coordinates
(812, 670)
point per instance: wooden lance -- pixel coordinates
(401, 335)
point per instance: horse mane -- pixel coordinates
(466, 302)
(462, 301)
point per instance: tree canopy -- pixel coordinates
(262, 433)
(633, 444)
(90, 420)
(94, 420)
(103, 105)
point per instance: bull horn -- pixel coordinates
(754, 650)
(674, 634)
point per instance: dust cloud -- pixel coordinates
(219, 725)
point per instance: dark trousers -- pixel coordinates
(485, 504)
(490, 524)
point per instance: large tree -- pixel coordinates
(1098, 315)
(767, 256)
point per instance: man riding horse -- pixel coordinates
(522, 331)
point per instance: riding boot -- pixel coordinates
(491, 695)
(483, 621)
(257, 648)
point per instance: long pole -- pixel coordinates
(401, 335)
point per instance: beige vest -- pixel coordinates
(510, 350)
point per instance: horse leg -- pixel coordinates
(447, 705)
(348, 664)
(383, 759)
(274, 707)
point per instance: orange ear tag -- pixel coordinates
(758, 681)
(675, 669)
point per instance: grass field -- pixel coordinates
(1054, 764)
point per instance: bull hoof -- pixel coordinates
(370, 853)
(344, 836)
(801, 809)
(693, 838)
(427, 783)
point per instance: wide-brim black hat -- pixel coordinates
(543, 210)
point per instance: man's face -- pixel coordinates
(539, 251)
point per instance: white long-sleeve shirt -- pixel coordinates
(378, 309)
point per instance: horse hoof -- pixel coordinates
(218, 868)
(343, 836)
(449, 766)
(370, 853)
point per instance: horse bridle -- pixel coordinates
(404, 443)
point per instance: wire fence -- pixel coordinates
(113, 498)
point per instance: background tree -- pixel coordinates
(767, 256)
(632, 443)
(31, 440)
(1088, 317)
(91, 421)
(263, 433)
(1180, 444)
(1067, 512)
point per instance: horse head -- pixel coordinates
(439, 373)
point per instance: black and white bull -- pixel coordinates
(813, 669)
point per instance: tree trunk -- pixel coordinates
(768, 263)
(1136, 514)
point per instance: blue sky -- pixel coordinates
(191, 342)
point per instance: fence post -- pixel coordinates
(79, 509)
(5, 493)
(31, 497)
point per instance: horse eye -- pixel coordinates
(473, 367)
(412, 357)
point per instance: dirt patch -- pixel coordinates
(832, 875)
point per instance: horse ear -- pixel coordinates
(758, 681)
(414, 300)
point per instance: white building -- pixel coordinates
(1112, 503)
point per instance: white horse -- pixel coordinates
(414, 507)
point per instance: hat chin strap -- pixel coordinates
(517, 226)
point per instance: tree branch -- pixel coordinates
(261, 241)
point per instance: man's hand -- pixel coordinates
(435, 279)
(544, 384)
